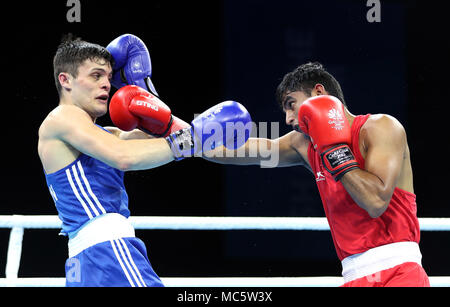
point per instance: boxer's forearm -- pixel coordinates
(240, 156)
(256, 151)
(135, 134)
(142, 154)
(368, 191)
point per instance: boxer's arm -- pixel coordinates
(288, 150)
(74, 127)
(135, 134)
(372, 188)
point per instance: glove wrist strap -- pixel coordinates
(182, 143)
(339, 160)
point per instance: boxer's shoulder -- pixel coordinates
(381, 131)
(382, 121)
(53, 151)
(382, 126)
(62, 118)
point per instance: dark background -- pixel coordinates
(205, 52)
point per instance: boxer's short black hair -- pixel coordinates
(304, 78)
(72, 52)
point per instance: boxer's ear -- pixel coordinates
(318, 89)
(65, 79)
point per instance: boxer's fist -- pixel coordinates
(132, 63)
(132, 107)
(227, 123)
(323, 119)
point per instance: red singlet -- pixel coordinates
(352, 229)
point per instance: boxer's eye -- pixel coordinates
(288, 105)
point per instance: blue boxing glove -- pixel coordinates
(132, 63)
(228, 124)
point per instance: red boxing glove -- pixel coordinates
(323, 119)
(133, 107)
(177, 124)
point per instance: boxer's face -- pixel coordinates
(293, 100)
(90, 89)
(291, 103)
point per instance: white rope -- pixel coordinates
(229, 223)
(208, 223)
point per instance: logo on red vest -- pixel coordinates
(320, 176)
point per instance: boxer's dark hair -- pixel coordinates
(304, 78)
(72, 52)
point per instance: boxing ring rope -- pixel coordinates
(17, 224)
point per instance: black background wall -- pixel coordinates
(205, 52)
